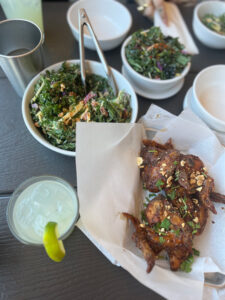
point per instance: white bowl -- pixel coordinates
(159, 88)
(110, 20)
(92, 67)
(205, 35)
(208, 96)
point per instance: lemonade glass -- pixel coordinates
(40, 200)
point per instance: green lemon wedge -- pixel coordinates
(53, 246)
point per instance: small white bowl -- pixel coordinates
(205, 35)
(158, 88)
(110, 20)
(91, 67)
(209, 96)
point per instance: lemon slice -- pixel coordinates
(53, 246)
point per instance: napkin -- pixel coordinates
(176, 27)
(109, 183)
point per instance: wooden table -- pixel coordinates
(26, 272)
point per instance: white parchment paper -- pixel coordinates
(176, 27)
(109, 183)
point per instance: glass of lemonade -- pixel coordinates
(24, 9)
(40, 200)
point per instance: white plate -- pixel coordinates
(188, 103)
(152, 94)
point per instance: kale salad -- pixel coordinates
(215, 23)
(60, 101)
(156, 56)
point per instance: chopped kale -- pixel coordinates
(60, 101)
(156, 56)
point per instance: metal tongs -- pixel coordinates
(84, 20)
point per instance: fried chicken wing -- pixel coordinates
(192, 175)
(191, 209)
(168, 231)
(171, 223)
(140, 238)
(216, 197)
(158, 165)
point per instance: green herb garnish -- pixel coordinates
(172, 195)
(195, 252)
(176, 231)
(186, 265)
(156, 56)
(153, 151)
(177, 174)
(183, 209)
(165, 224)
(175, 162)
(161, 240)
(144, 218)
(159, 184)
(194, 226)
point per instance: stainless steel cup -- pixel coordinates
(20, 52)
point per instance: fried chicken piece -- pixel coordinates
(168, 231)
(158, 164)
(154, 144)
(216, 197)
(191, 209)
(191, 174)
(140, 238)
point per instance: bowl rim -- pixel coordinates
(196, 14)
(88, 37)
(30, 125)
(216, 120)
(142, 77)
(24, 185)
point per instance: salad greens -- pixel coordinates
(60, 101)
(215, 23)
(156, 56)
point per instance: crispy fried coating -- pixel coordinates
(172, 222)
(158, 165)
(216, 197)
(162, 164)
(190, 207)
(168, 231)
(192, 175)
(140, 238)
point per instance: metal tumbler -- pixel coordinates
(20, 52)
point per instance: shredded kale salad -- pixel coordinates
(60, 101)
(156, 56)
(215, 23)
